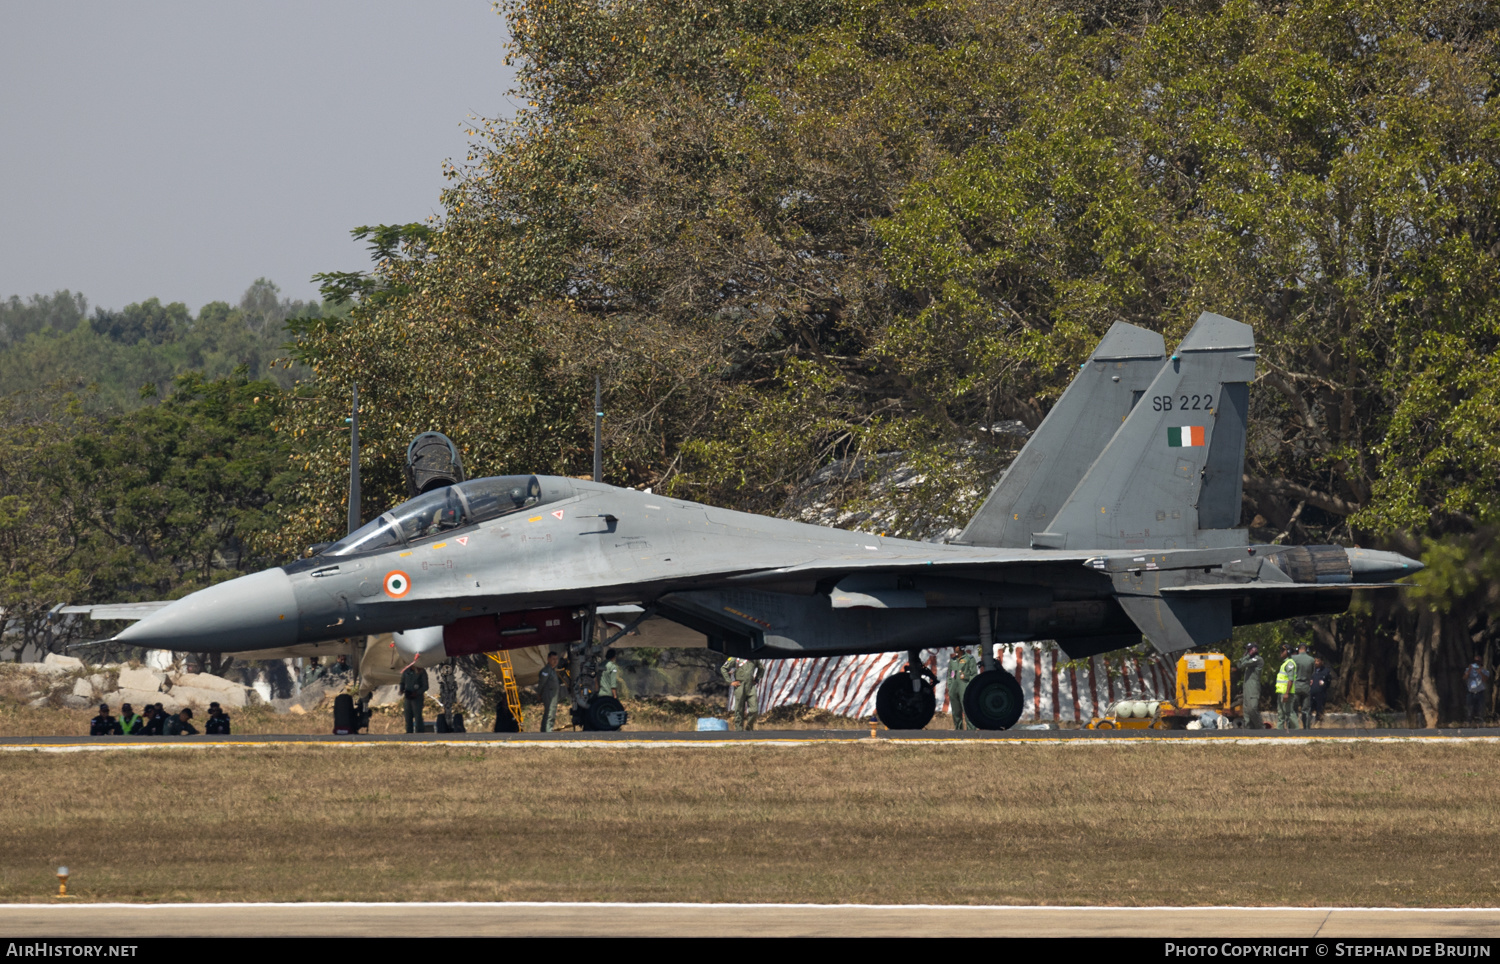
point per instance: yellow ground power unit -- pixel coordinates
(1203, 683)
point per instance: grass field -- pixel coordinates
(650, 714)
(1344, 824)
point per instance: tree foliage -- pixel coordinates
(109, 357)
(149, 504)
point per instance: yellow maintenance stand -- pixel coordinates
(508, 677)
(1203, 683)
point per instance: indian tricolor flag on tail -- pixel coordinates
(1185, 437)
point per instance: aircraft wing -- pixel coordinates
(1247, 588)
(907, 563)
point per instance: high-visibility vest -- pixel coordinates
(1286, 677)
(128, 724)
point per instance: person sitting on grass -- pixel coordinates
(130, 722)
(151, 721)
(179, 725)
(217, 723)
(104, 724)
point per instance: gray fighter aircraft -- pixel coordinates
(1115, 521)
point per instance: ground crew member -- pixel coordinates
(548, 686)
(1286, 682)
(104, 724)
(179, 726)
(1303, 688)
(609, 677)
(1322, 680)
(217, 723)
(155, 725)
(130, 721)
(961, 669)
(313, 673)
(742, 675)
(340, 668)
(1250, 687)
(414, 689)
(1476, 682)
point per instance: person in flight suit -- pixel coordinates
(1250, 687)
(1303, 687)
(548, 687)
(179, 725)
(609, 677)
(742, 675)
(961, 669)
(414, 689)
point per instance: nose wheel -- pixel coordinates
(904, 706)
(993, 700)
(604, 713)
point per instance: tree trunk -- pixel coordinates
(1432, 667)
(1367, 674)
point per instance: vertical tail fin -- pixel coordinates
(1171, 476)
(1070, 438)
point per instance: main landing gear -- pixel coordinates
(993, 700)
(907, 702)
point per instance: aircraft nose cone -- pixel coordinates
(258, 611)
(1372, 565)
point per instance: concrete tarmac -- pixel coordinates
(734, 920)
(628, 738)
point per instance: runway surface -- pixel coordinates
(626, 739)
(734, 920)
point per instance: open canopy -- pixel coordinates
(444, 509)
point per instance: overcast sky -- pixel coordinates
(183, 149)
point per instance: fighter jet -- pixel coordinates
(1116, 521)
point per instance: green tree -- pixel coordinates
(797, 237)
(149, 504)
(109, 357)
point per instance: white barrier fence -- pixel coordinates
(1054, 687)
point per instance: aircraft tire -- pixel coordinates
(901, 709)
(994, 701)
(604, 713)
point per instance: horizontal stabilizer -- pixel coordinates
(1174, 624)
(1072, 435)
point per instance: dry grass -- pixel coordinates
(1344, 824)
(651, 714)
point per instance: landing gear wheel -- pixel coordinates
(901, 709)
(993, 700)
(604, 713)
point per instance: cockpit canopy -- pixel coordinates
(450, 507)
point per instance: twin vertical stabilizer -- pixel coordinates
(1165, 440)
(1061, 450)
